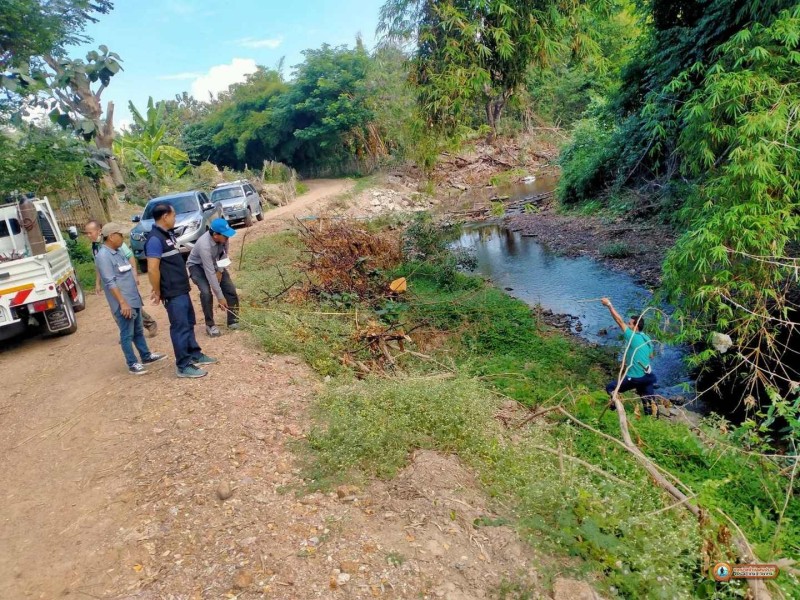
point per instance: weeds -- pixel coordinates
(616, 250)
(496, 348)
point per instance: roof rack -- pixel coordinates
(237, 182)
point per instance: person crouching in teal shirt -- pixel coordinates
(637, 374)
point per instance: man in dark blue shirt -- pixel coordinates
(119, 282)
(167, 273)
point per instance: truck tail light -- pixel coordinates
(43, 305)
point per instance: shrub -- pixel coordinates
(586, 162)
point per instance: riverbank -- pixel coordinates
(637, 248)
(462, 379)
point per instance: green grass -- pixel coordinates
(616, 250)
(86, 275)
(364, 183)
(80, 253)
(289, 328)
(300, 188)
(507, 177)
(628, 545)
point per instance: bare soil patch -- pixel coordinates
(154, 487)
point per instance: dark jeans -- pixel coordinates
(198, 275)
(181, 330)
(131, 333)
(642, 385)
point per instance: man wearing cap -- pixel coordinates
(208, 264)
(92, 229)
(167, 273)
(119, 283)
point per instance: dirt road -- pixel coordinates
(154, 487)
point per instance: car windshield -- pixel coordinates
(181, 204)
(226, 194)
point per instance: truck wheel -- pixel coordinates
(248, 220)
(67, 302)
(79, 303)
(260, 215)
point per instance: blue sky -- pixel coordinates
(171, 46)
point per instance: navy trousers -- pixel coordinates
(181, 330)
(642, 385)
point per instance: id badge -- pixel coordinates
(123, 268)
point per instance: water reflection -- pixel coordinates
(561, 284)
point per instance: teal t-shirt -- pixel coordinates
(125, 251)
(638, 353)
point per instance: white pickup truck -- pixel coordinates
(37, 281)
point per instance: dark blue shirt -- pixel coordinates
(161, 244)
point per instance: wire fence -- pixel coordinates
(79, 203)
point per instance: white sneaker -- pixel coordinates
(213, 331)
(137, 369)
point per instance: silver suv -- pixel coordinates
(239, 201)
(194, 213)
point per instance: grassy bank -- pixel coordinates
(483, 355)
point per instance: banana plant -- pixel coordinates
(141, 149)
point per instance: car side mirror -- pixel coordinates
(208, 206)
(136, 218)
(72, 232)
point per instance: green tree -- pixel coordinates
(326, 108)
(143, 150)
(40, 160)
(740, 138)
(31, 28)
(323, 117)
(471, 51)
(36, 71)
(238, 128)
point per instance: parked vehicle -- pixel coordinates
(194, 213)
(239, 201)
(38, 284)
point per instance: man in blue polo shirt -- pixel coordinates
(119, 282)
(167, 273)
(637, 374)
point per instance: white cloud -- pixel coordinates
(220, 77)
(265, 43)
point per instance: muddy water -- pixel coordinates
(544, 183)
(530, 272)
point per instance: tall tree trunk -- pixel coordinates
(494, 110)
(104, 139)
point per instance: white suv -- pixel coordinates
(239, 202)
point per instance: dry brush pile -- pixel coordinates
(347, 265)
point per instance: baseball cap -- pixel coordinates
(221, 227)
(110, 228)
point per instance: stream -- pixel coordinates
(529, 271)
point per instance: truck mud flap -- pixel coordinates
(57, 319)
